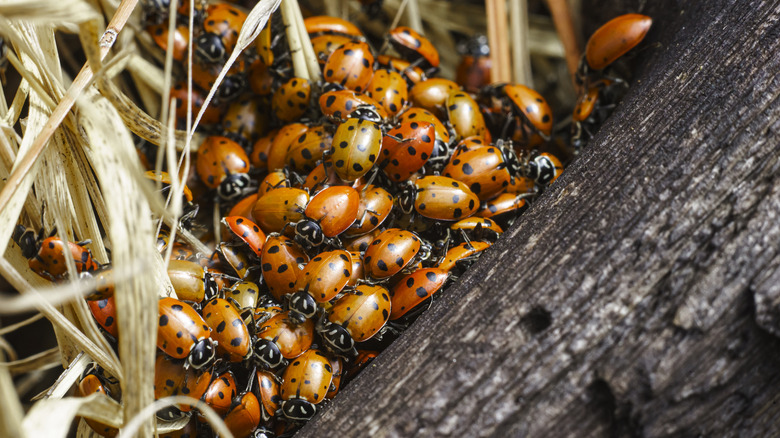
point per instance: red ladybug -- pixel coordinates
(486, 170)
(465, 116)
(375, 206)
(319, 282)
(544, 168)
(92, 382)
(390, 252)
(279, 339)
(47, 257)
(415, 288)
(355, 317)
(291, 100)
(438, 197)
(432, 94)
(351, 65)
(245, 415)
(182, 333)
(462, 255)
(104, 312)
(414, 47)
(269, 393)
(304, 385)
(228, 330)
(323, 24)
(616, 37)
(307, 149)
(221, 26)
(223, 165)
(328, 214)
(246, 232)
(221, 392)
(280, 207)
(406, 149)
(280, 263)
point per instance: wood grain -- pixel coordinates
(624, 302)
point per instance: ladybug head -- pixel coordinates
(337, 338)
(170, 413)
(27, 241)
(232, 86)
(267, 354)
(302, 306)
(234, 186)
(366, 112)
(406, 197)
(298, 410)
(202, 354)
(510, 159)
(308, 234)
(209, 46)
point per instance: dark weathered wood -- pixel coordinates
(625, 302)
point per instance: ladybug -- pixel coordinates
(320, 281)
(478, 228)
(236, 259)
(412, 73)
(245, 232)
(220, 32)
(406, 149)
(264, 311)
(223, 165)
(339, 104)
(92, 382)
(277, 154)
(438, 197)
(592, 108)
(324, 45)
(279, 339)
(375, 206)
(191, 281)
(244, 207)
(291, 100)
(544, 168)
(363, 358)
(244, 416)
(441, 149)
(533, 112)
(462, 255)
(204, 75)
(355, 148)
(47, 257)
(276, 179)
(259, 156)
(196, 98)
(351, 66)
(328, 214)
(320, 178)
(160, 35)
(323, 24)
(228, 330)
(244, 121)
(504, 208)
(104, 284)
(390, 252)
(261, 79)
(304, 385)
(269, 393)
(486, 170)
(104, 312)
(613, 40)
(279, 208)
(473, 70)
(468, 144)
(221, 392)
(280, 263)
(182, 333)
(357, 267)
(360, 244)
(264, 44)
(465, 116)
(307, 149)
(432, 94)
(172, 377)
(243, 295)
(337, 364)
(414, 47)
(355, 317)
(415, 288)
(389, 89)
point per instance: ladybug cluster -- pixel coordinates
(346, 206)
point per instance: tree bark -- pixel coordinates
(640, 295)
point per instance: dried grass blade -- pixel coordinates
(52, 417)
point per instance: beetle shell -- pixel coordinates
(104, 312)
(269, 392)
(375, 206)
(292, 339)
(464, 252)
(432, 94)
(413, 46)
(326, 275)
(171, 377)
(351, 65)
(533, 107)
(219, 157)
(401, 159)
(307, 149)
(159, 33)
(246, 231)
(245, 416)
(49, 262)
(415, 288)
(277, 154)
(341, 103)
(245, 120)
(188, 280)
(307, 379)
(465, 117)
(220, 393)
(483, 170)
(615, 38)
(363, 312)
(291, 100)
(179, 328)
(280, 265)
(355, 148)
(324, 45)
(320, 24)
(443, 198)
(228, 329)
(389, 89)
(244, 294)
(335, 208)
(390, 252)
(279, 207)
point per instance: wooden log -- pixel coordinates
(625, 301)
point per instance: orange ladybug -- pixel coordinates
(228, 330)
(223, 165)
(438, 197)
(319, 282)
(279, 339)
(355, 317)
(182, 333)
(304, 385)
(329, 213)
